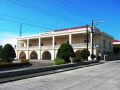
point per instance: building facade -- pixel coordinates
(44, 46)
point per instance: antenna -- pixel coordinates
(56, 25)
(20, 30)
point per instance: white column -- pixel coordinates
(27, 56)
(70, 39)
(39, 51)
(27, 44)
(39, 54)
(17, 46)
(39, 43)
(53, 43)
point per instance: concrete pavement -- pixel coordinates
(99, 77)
(37, 70)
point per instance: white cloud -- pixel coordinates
(7, 37)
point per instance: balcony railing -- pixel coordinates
(33, 47)
(79, 45)
(22, 48)
(46, 47)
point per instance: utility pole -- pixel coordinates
(87, 40)
(20, 30)
(92, 37)
(92, 33)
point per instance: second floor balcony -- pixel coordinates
(79, 45)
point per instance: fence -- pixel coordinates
(113, 57)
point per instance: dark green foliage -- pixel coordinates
(58, 61)
(116, 49)
(7, 53)
(85, 53)
(0, 48)
(65, 52)
(93, 56)
(76, 60)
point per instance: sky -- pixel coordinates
(37, 16)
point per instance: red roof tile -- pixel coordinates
(116, 41)
(71, 28)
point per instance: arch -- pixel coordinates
(77, 53)
(33, 55)
(22, 55)
(46, 55)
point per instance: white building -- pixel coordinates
(45, 45)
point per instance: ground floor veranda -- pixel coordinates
(47, 54)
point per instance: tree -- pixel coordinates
(116, 49)
(85, 53)
(65, 52)
(7, 52)
(0, 48)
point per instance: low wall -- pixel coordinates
(113, 57)
(13, 73)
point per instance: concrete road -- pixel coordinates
(99, 77)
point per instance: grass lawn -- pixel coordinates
(3, 62)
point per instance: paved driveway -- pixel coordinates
(40, 63)
(99, 77)
(35, 64)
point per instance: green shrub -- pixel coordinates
(85, 53)
(93, 56)
(3, 62)
(76, 60)
(83, 60)
(65, 52)
(7, 53)
(58, 61)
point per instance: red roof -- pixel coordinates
(72, 28)
(116, 41)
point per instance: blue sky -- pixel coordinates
(38, 16)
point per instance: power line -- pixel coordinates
(25, 19)
(10, 31)
(73, 9)
(44, 11)
(24, 23)
(20, 30)
(93, 15)
(89, 14)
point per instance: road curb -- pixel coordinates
(18, 75)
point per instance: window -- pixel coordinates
(104, 43)
(85, 40)
(41, 44)
(109, 45)
(55, 43)
(30, 45)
